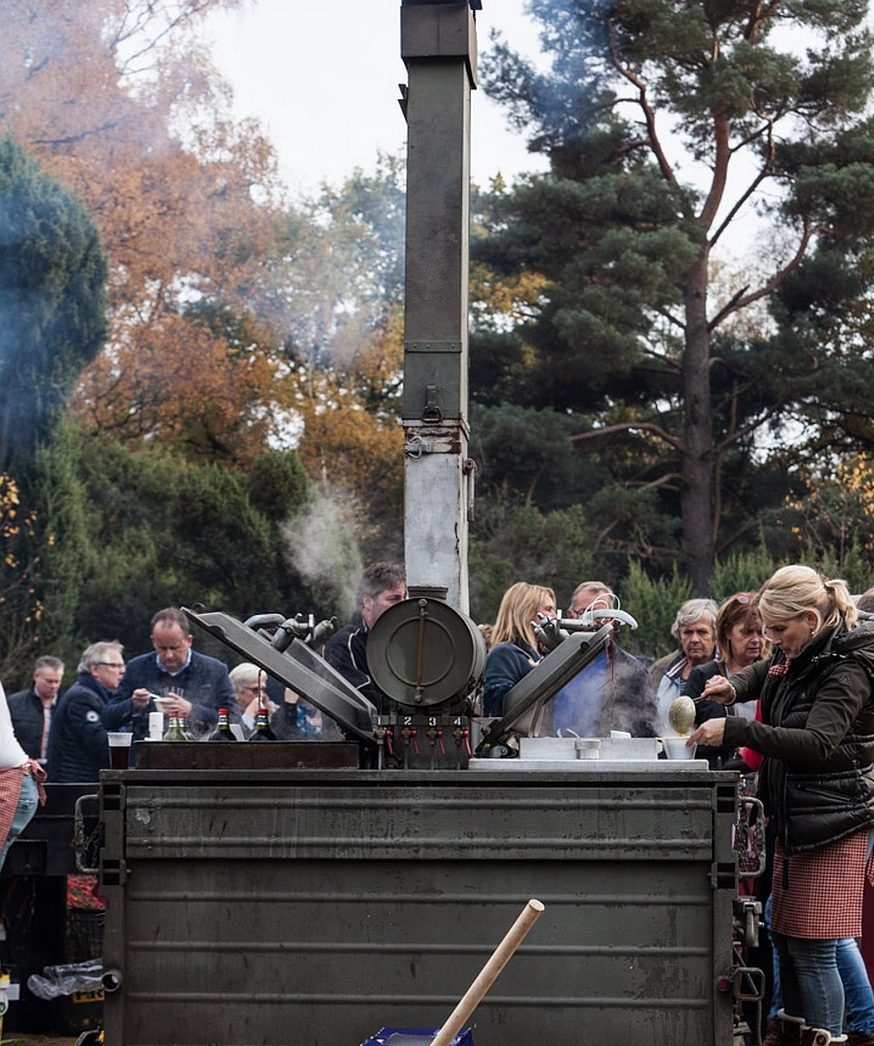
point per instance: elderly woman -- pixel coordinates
(250, 687)
(817, 782)
(514, 648)
(695, 629)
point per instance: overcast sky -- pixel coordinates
(323, 75)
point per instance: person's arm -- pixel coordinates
(130, 698)
(698, 678)
(505, 666)
(839, 699)
(341, 657)
(749, 681)
(117, 713)
(347, 654)
(208, 689)
(84, 719)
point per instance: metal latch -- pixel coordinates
(747, 919)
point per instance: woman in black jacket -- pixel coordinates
(817, 782)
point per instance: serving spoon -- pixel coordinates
(681, 715)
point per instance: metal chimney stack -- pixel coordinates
(438, 46)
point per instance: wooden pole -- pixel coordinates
(489, 973)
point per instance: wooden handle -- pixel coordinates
(489, 973)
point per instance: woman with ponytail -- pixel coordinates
(817, 783)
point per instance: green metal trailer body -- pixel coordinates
(309, 908)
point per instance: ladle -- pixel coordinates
(681, 715)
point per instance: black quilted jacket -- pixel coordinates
(817, 733)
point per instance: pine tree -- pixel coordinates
(667, 126)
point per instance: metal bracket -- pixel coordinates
(418, 446)
(748, 836)
(468, 468)
(755, 978)
(747, 920)
(433, 412)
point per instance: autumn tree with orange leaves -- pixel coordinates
(121, 103)
(237, 323)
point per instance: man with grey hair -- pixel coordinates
(31, 710)
(77, 746)
(612, 692)
(694, 628)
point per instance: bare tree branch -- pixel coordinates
(772, 284)
(643, 102)
(631, 426)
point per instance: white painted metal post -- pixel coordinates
(438, 45)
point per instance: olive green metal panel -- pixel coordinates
(314, 908)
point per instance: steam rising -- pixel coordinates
(322, 545)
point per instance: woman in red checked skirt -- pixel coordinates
(817, 783)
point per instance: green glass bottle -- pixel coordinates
(223, 730)
(262, 727)
(174, 730)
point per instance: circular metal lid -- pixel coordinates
(422, 652)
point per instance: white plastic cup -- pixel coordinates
(119, 749)
(675, 748)
(156, 726)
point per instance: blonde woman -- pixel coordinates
(817, 782)
(514, 649)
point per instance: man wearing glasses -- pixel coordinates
(612, 692)
(190, 685)
(78, 749)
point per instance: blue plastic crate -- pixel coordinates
(414, 1037)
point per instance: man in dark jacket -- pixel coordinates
(196, 686)
(381, 586)
(78, 748)
(31, 710)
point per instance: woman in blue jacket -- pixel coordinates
(514, 648)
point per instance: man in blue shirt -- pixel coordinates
(195, 685)
(612, 692)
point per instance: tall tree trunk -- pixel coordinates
(696, 496)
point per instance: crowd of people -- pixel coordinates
(781, 680)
